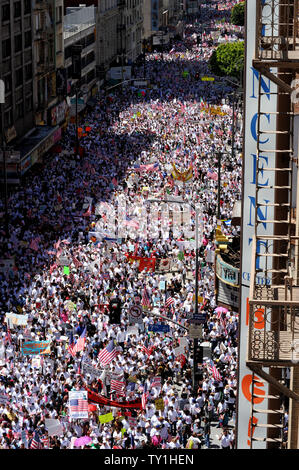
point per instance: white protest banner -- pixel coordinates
(14, 319)
(132, 330)
(54, 427)
(87, 368)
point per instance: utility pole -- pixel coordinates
(77, 137)
(144, 44)
(219, 185)
(233, 126)
(2, 101)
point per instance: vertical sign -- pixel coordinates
(268, 121)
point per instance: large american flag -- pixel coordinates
(79, 345)
(118, 386)
(108, 353)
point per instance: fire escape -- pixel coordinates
(273, 340)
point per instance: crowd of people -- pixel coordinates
(70, 259)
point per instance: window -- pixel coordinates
(28, 103)
(28, 42)
(19, 77)
(28, 72)
(27, 7)
(8, 118)
(18, 43)
(5, 12)
(7, 83)
(6, 48)
(19, 110)
(17, 9)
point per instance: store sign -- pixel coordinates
(227, 273)
(42, 148)
(25, 164)
(228, 295)
(268, 141)
(58, 113)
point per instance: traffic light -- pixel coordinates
(197, 76)
(114, 311)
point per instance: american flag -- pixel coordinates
(78, 405)
(212, 370)
(79, 345)
(146, 349)
(156, 382)
(145, 299)
(145, 395)
(118, 386)
(131, 223)
(169, 303)
(46, 442)
(7, 336)
(108, 353)
(35, 442)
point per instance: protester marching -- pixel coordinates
(86, 358)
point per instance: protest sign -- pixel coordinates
(35, 347)
(106, 418)
(14, 319)
(54, 427)
(78, 404)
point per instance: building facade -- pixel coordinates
(80, 30)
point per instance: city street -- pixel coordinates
(85, 232)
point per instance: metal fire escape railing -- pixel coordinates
(273, 338)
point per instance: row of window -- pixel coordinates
(21, 72)
(18, 44)
(84, 42)
(17, 10)
(21, 109)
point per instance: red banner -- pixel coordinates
(96, 398)
(144, 263)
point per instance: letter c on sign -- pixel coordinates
(246, 389)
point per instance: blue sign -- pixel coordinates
(159, 327)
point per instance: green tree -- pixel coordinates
(238, 14)
(228, 59)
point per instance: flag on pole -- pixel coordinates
(145, 302)
(107, 354)
(169, 301)
(145, 395)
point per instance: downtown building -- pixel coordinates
(268, 381)
(31, 53)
